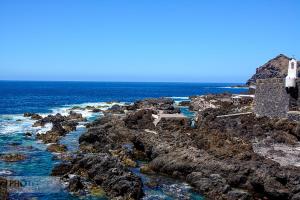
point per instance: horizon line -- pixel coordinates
(93, 81)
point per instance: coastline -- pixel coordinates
(208, 146)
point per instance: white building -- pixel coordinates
(290, 80)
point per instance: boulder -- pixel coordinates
(141, 119)
(13, 157)
(57, 148)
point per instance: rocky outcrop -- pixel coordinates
(33, 116)
(57, 148)
(3, 189)
(141, 119)
(61, 125)
(274, 68)
(13, 157)
(216, 156)
(107, 172)
(154, 104)
(54, 135)
(105, 134)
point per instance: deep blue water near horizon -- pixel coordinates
(17, 97)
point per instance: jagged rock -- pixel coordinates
(174, 123)
(12, 157)
(33, 116)
(57, 148)
(141, 119)
(69, 125)
(157, 104)
(110, 174)
(3, 189)
(184, 103)
(53, 135)
(28, 134)
(75, 116)
(61, 169)
(274, 68)
(75, 184)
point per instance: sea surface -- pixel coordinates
(17, 97)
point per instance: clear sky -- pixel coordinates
(144, 40)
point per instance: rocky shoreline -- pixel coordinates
(218, 152)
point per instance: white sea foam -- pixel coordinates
(17, 123)
(5, 172)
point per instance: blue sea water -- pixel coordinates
(17, 97)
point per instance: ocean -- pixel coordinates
(17, 97)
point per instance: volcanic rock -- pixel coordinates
(13, 157)
(274, 68)
(110, 174)
(3, 189)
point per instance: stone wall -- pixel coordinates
(271, 98)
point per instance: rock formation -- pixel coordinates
(274, 68)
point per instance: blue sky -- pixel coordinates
(144, 40)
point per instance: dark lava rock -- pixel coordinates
(3, 189)
(95, 110)
(75, 184)
(61, 169)
(274, 68)
(116, 109)
(69, 125)
(33, 116)
(172, 110)
(12, 157)
(53, 135)
(28, 134)
(57, 148)
(105, 134)
(157, 104)
(141, 119)
(110, 174)
(75, 116)
(184, 103)
(174, 123)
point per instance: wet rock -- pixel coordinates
(110, 174)
(96, 110)
(69, 125)
(61, 169)
(145, 169)
(75, 184)
(28, 134)
(12, 157)
(116, 109)
(57, 148)
(75, 116)
(54, 119)
(53, 135)
(33, 116)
